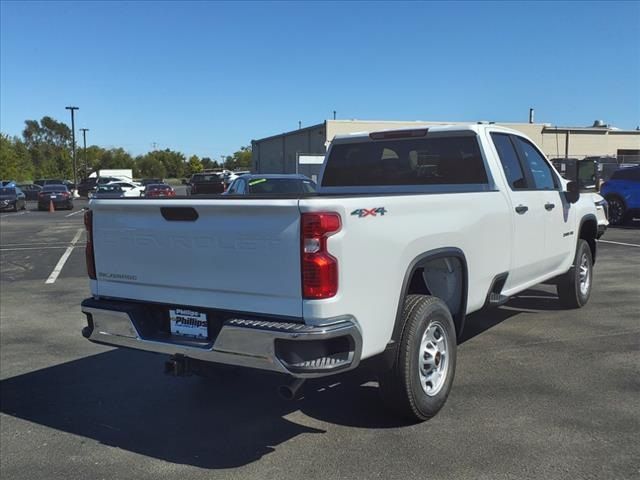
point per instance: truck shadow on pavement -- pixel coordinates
(121, 398)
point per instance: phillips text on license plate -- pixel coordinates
(188, 323)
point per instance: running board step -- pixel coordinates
(497, 299)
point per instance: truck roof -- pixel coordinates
(473, 127)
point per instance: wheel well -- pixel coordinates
(441, 276)
(617, 196)
(589, 233)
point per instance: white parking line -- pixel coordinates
(34, 244)
(29, 248)
(16, 214)
(63, 259)
(619, 243)
(75, 213)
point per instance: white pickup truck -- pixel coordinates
(409, 232)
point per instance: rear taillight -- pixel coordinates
(89, 255)
(319, 268)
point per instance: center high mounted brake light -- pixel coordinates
(391, 134)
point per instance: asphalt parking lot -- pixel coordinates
(540, 392)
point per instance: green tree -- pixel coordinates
(174, 162)
(49, 145)
(240, 160)
(194, 165)
(15, 162)
(94, 154)
(149, 166)
(209, 164)
(115, 158)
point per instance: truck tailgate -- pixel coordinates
(241, 255)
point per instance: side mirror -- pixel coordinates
(573, 192)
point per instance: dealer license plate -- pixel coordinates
(187, 323)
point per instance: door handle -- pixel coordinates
(549, 206)
(522, 209)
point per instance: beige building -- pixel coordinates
(300, 150)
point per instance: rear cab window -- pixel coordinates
(432, 161)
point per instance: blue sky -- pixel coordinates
(207, 77)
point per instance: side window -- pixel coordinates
(543, 177)
(233, 187)
(308, 186)
(626, 174)
(240, 187)
(510, 163)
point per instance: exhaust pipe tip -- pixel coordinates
(291, 391)
(86, 332)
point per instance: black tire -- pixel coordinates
(617, 210)
(401, 387)
(15, 206)
(572, 289)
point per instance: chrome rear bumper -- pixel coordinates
(297, 349)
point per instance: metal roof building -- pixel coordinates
(301, 150)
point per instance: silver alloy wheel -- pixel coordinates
(585, 274)
(433, 360)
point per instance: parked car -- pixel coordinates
(271, 185)
(159, 190)
(205, 184)
(231, 176)
(410, 231)
(622, 192)
(58, 194)
(148, 181)
(49, 181)
(602, 211)
(7, 183)
(87, 186)
(130, 189)
(31, 190)
(12, 198)
(108, 191)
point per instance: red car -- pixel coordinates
(159, 190)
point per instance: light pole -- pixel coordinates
(84, 141)
(73, 146)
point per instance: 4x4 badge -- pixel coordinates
(365, 212)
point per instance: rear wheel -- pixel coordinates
(418, 384)
(574, 287)
(617, 210)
